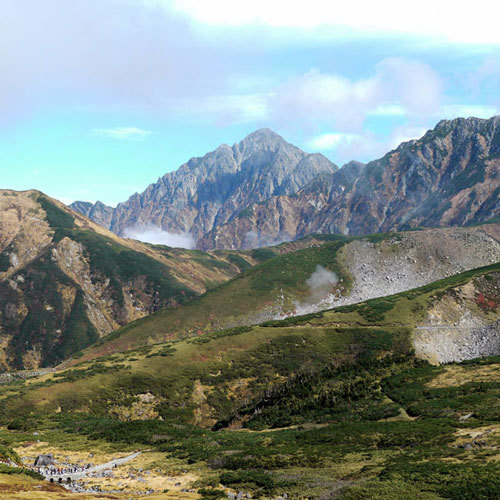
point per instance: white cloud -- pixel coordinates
(397, 86)
(445, 19)
(405, 133)
(364, 146)
(329, 141)
(317, 96)
(157, 236)
(226, 109)
(122, 133)
(388, 110)
(101, 54)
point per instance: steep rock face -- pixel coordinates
(206, 192)
(65, 281)
(449, 177)
(284, 218)
(463, 324)
(98, 212)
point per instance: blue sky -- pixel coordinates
(98, 98)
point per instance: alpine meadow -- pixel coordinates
(305, 303)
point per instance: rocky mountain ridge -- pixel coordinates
(449, 177)
(206, 192)
(265, 190)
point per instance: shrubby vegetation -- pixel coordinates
(8, 454)
(94, 369)
(4, 262)
(229, 332)
(238, 261)
(5, 469)
(328, 405)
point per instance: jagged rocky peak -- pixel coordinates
(98, 212)
(84, 207)
(210, 190)
(463, 129)
(263, 139)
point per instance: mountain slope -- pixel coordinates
(351, 270)
(331, 403)
(449, 177)
(65, 281)
(246, 361)
(208, 191)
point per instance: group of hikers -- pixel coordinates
(57, 471)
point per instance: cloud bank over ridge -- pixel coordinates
(157, 236)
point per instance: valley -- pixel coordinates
(249, 250)
(336, 402)
(293, 355)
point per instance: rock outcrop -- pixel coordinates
(462, 324)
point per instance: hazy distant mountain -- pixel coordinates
(265, 190)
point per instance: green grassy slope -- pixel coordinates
(253, 296)
(243, 361)
(334, 403)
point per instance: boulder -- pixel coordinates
(44, 460)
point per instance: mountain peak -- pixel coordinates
(263, 138)
(463, 128)
(263, 133)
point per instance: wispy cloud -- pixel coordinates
(388, 110)
(122, 133)
(397, 86)
(451, 111)
(329, 141)
(365, 145)
(225, 109)
(153, 234)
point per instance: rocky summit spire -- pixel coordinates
(210, 190)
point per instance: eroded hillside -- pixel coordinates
(351, 270)
(65, 281)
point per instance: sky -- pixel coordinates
(99, 98)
